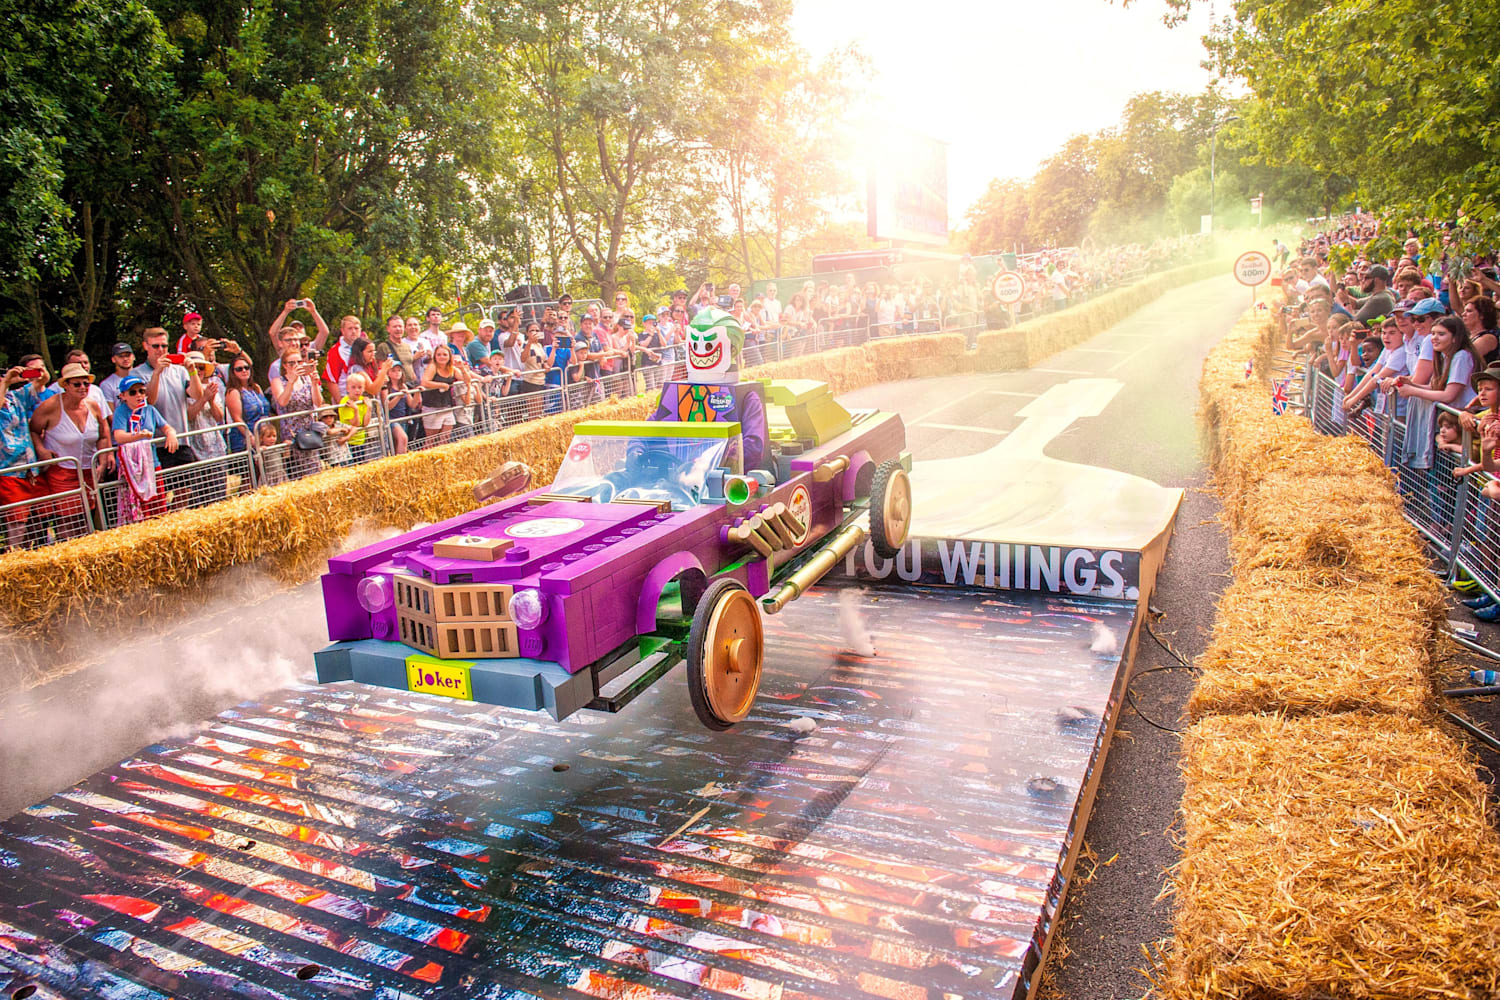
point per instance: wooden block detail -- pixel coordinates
(564, 497)
(451, 602)
(512, 477)
(459, 640)
(660, 506)
(475, 547)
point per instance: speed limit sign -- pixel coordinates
(1009, 287)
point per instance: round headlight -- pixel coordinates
(528, 608)
(374, 593)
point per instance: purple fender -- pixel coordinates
(656, 581)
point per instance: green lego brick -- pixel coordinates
(656, 429)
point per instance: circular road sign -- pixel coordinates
(1009, 287)
(1252, 268)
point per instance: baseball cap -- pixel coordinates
(121, 348)
(486, 322)
(130, 382)
(297, 323)
(648, 318)
(1428, 307)
(189, 317)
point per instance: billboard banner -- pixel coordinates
(908, 191)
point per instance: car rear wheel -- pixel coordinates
(890, 509)
(725, 647)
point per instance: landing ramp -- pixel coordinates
(899, 826)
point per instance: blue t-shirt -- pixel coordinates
(561, 357)
(478, 352)
(150, 418)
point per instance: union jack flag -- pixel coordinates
(1279, 398)
(1249, 369)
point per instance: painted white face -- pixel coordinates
(710, 354)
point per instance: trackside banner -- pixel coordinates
(1004, 566)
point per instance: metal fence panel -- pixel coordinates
(59, 509)
(195, 483)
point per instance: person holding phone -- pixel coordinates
(280, 341)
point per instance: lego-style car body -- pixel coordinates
(540, 599)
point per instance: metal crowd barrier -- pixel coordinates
(197, 483)
(52, 516)
(1457, 516)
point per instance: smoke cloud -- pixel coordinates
(251, 638)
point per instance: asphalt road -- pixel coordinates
(1149, 429)
(254, 638)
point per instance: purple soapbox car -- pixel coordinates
(659, 541)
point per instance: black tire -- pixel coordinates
(890, 475)
(697, 669)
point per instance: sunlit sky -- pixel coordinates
(1005, 84)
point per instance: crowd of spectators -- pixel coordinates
(182, 422)
(1414, 338)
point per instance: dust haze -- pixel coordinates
(251, 637)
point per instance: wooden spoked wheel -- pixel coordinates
(725, 647)
(890, 509)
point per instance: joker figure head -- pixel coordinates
(713, 346)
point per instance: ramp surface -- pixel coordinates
(348, 841)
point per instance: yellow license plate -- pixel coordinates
(429, 675)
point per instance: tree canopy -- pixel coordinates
(160, 155)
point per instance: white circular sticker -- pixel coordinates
(544, 527)
(1009, 287)
(1252, 268)
(800, 507)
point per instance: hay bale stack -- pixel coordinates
(1345, 856)
(1285, 642)
(899, 358)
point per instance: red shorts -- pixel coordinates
(15, 489)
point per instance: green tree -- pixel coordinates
(611, 104)
(317, 139)
(997, 221)
(79, 83)
(1064, 194)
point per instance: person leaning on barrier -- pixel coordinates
(245, 402)
(354, 411)
(1390, 364)
(166, 392)
(136, 424)
(70, 425)
(400, 402)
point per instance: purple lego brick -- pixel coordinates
(358, 562)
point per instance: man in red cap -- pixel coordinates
(192, 326)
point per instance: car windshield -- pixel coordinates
(640, 468)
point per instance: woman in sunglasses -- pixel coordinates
(70, 426)
(245, 400)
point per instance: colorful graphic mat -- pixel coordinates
(905, 841)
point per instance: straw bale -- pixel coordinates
(1283, 642)
(1345, 856)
